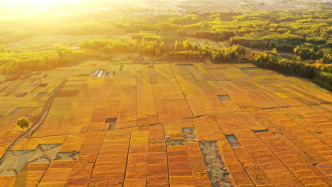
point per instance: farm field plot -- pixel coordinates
(125, 123)
(45, 43)
(203, 43)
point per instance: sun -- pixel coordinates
(23, 9)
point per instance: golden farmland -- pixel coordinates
(153, 103)
(165, 93)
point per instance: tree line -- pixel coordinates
(34, 61)
(157, 47)
(271, 60)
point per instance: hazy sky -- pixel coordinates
(12, 9)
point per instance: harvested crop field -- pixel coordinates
(167, 124)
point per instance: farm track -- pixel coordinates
(40, 119)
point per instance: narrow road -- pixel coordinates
(40, 119)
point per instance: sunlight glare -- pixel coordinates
(38, 4)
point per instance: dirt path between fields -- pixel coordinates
(40, 119)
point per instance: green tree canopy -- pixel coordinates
(23, 123)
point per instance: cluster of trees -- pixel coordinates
(219, 36)
(312, 52)
(185, 20)
(156, 46)
(308, 51)
(288, 31)
(188, 50)
(264, 30)
(185, 45)
(211, 35)
(271, 60)
(306, 35)
(145, 45)
(109, 45)
(324, 79)
(283, 42)
(41, 60)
